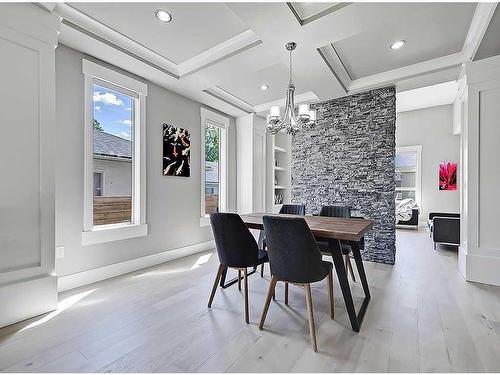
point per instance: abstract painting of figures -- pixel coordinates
(448, 176)
(176, 151)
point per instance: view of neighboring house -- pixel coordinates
(112, 178)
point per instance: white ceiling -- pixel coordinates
(446, 26)
(191, 31)
(221, 53)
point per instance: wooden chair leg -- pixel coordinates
(349, 266)
(239, 280)
(216, 282)
(310, 315)
(330, 293)
(270, 293)
(262, 270)
(245, 280)
(286, 293)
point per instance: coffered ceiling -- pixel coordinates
(220, 54)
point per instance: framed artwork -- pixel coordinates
(448, 176)
(176, 151)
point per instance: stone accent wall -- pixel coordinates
(347, 158)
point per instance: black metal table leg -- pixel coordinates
(338, 261)
(223, 284)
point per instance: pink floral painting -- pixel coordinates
(448, 176)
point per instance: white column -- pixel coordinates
(251, 164)
(28, 285)
(479, 256)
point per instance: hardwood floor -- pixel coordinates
(422, 317)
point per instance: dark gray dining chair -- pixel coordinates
(236, 248)
(293, 209)
(289, 209)
(294, 257)
(344, 212)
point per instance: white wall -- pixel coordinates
(173, 203)
(117, 176)
(433, 129)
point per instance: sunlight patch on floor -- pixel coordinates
(61, 306)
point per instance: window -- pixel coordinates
(214, 162)
(407, 174)
(98, 184)
(114, 131)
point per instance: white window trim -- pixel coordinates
(223, 123)
(138, 227)
(418, 173)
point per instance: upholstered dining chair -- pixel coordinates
(293, 209)
(338, 211)
(294, 257)
(236, 248)
(290, 209)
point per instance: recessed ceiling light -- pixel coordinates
(399, 44)
(163, 15)
(264, 87)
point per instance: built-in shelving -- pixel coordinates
(280, 158)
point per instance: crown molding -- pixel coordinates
(239, 43)
(478, 26)
(316, 16)
(409, 71)
(229, 98)
(332, 60)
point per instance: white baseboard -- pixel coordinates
(26, 299)
(482, 269)
(91, 276)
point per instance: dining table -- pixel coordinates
(334, 230)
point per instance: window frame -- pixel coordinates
(95, 73)
(417, 149)
(222, 123)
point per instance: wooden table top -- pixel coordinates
(321, 226)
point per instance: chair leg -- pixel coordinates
(310, 315)
(348, 265)
(239, 280)
(286, 293)
(270, 293)
(214, 288)
(262, 270)
(330, 293)
(245, 280)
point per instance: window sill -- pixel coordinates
(110, 233)
(205, 221)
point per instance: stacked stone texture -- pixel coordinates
(347, 158)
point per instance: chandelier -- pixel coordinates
(290, 121)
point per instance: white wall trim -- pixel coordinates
(102, 273)
(113, 232)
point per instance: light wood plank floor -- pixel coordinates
(422, 317)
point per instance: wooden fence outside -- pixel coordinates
(112, 210)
